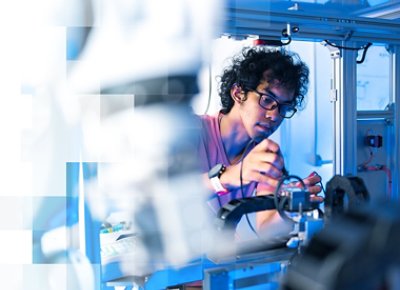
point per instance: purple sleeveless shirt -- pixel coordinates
(212, 152)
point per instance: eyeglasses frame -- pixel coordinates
(278, 104)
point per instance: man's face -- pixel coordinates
(260, 112)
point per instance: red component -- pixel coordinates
(268, 42)
(259, 42)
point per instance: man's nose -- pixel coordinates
(273, 114)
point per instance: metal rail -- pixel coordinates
(266, 21)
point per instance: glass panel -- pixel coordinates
(373, 79)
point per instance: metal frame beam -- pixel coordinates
(343, 92)
(396, 132)
(265, 21)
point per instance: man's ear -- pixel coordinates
(237, 94)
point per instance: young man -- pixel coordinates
(258, 91)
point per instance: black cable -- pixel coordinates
(322, 187)
(364, 52)
(280, 207)
(251, 226)
(347, 47)
(364, 47)
(288, 42)
(276, 201)
(241, 184)
(286, 34)
(279, 204)
(320, 212)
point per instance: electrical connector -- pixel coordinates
(375, 141)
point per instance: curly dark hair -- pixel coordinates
(247, 70)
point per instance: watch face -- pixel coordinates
(216, 170)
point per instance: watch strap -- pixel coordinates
(216, 182)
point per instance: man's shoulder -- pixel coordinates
(208, 119)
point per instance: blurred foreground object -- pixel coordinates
(152, 174)
(138, 40)
(357, 250)
(343, 193)
(143, 58)
(125, 102)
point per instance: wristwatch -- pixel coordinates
(214, 174)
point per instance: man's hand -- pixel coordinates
(311, 183)
(263, 164)
(267, 218)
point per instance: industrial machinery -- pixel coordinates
(260, 263)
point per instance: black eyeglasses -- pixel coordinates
(268, 102)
